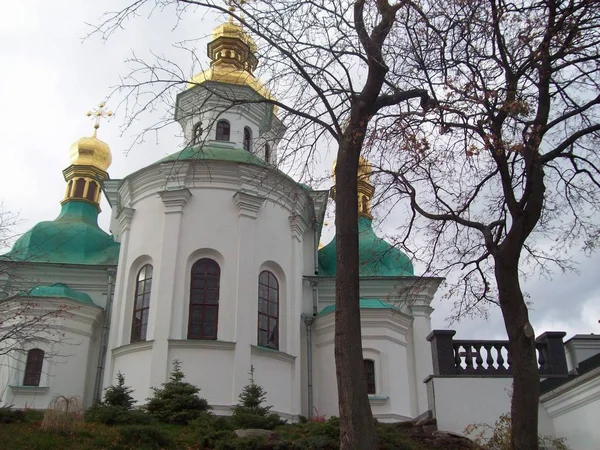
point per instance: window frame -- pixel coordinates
(196, 133)
(139, 331)
(33, 367)
(267, 152)
(197, 280)
(220, 134)
(247, 142)
(272, 343)
(369, 368)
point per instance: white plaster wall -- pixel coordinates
(461, 401)
(384, 341)
(276, 376)
(209, 369)
(65, 370)
(135, 366)
(575, 411)
(210, 220)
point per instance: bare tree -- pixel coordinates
(505, 176)
(327, 64)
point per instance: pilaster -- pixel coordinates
(421, 327)
(298, 226)
(248, 203)
(174, 202)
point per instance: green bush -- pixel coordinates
(210, 429)
(144, 436)
(177, 401)
(251, 412)
(119, 394)
(10, 415)
(116, 415)
(244, 420)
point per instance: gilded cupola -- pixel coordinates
(90, 158)
(232, 54)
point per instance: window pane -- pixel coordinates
(148, 286)
(210, 314)
(263, 322)
(146, 300)
(210, 330)
(272, 324)
(263, 338)
(273, 294)
(273, 309)
(211, 297)
(263, 306)
(264, 277)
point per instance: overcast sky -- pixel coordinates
(50, 76)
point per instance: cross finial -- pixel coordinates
(231, 8)
(97, 114)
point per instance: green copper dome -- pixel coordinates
(58, 290)
(377, 258)
(72, 238)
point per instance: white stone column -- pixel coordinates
(164, 282)
(116, 336)
(294, 309)
(421, 327)
(249, 204)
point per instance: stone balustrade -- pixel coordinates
(453, 357)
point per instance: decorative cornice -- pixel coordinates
(139, 346)
(124, 217)
(174, 200)
(270, 353)
(298, 226)
(29, 390)
(378, 399)
(421, 310)
(199, 343)
(248, 203)
(574, 394)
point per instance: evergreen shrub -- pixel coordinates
(177, 402)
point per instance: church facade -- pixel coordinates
(213, 260)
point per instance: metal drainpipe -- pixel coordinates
(104, 337)
(308, 322)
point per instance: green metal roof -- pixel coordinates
(72, 238)
(227, 154)
(365, 303)
(377, 258)
(58, 290)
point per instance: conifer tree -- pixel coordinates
(252, 398)
(177, 401)
(119, 394)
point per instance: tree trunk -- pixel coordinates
(357, 429)
(521, 337)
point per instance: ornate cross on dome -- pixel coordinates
(232, 4)
(98, 114)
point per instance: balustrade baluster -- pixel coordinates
(457, 358)
(508, 360)
(478, 358)
(490, 359)
(500, 358)
(468, 357)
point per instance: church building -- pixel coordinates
(212, 259)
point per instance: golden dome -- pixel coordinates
(91, 151)
(226, 73)
(234, 31)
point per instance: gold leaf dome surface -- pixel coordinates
(226, 73)
(91, 151)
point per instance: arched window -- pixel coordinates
(197, 133)
(141, 304)
(91, 193)
(33, 367)
(79, 188)
(204, 299)
(223, 130)
(268, 310)
(370, 375)
(267, 152)
(247, 139)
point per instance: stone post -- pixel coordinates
(556, 360)
(442, 352)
